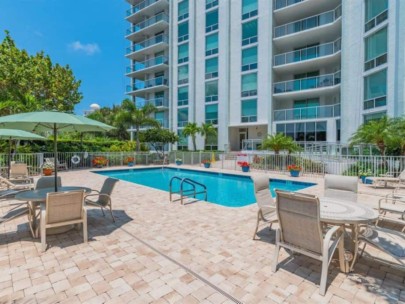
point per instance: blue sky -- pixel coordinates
(86, 34)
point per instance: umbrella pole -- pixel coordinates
(9, 156)
(55, 150)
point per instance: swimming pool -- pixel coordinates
(228, 190)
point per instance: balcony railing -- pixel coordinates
(158, 102)
(375, 102)
(376, 20)
(251, 118)
(162, 38)
(308, 53)
(307, 113)
(375, 62)
(140, 85)
(144, 24)
(308, 23)
(140, 6)
(138, 66)
(279, 4)
(307, 83)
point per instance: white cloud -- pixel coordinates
(88, 49)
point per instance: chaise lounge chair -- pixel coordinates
(51, 160)
(267, 208)
(388, 178)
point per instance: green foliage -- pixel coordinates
(158, 137)
(192, 129)
(131, 116)
(278, 142)
(32, 82)
(207, 129)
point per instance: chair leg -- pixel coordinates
(257, 226)
(276, 251)
(112, 213)
(324, 274)
(102, 210)
(84, 224)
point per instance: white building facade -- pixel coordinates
(311, 69)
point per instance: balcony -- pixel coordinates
(327, 24)
(146, 8)
(160, 102)
(300, 88)
(279, 4)
(150, 26)
(308, 58)
(148, 47)
(308, 113)
(152, 65)
(140, 88)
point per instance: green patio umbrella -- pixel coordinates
(11, 134)
(55, 122)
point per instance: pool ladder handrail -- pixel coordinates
(183, 192)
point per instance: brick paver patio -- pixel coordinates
(159, 252)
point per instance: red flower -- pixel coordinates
(243, 164)
(294, 168)
(206, 161)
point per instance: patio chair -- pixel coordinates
(16, 184)
(300, 231)
(103, 197)
(47, 182)
(392, 208)
(18, 171)
(388, 178)
(267, 207)
(341, 187)
(51, 160)
(62, 209)
(389, 241)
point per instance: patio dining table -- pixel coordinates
(35, 197)
(339, 212)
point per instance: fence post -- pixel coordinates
(199, 158)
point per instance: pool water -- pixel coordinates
(228, 190)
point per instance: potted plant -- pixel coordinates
(130, 161)
(206, 163)
(363, 173)
(179, 161)
(294, 170)
(245, 166)
(47, 169)
(99, 161)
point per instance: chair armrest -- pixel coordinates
(328, 237)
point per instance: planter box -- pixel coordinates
(245, 169)
(207, 165)
(295, 173)
(179, 163)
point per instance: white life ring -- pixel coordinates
(75, 159)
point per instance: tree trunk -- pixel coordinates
(138, 144)
(194, 143)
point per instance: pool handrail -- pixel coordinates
(182, 192)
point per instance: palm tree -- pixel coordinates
(191, 129)
(373, 132)
(206, 130)
(131, 116)
(278, 142)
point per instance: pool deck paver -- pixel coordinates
(161, 252)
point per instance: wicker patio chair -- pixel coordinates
(62, 209)
(300, 231)
(341, 187)
(389, 241)
(267, 207)
(103, 197)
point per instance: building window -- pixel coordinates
(210, 3)
(182, 74)
(182, 53)
(182, 96)
(376, 13)
(249, 85)
(374, 116)
(375, 90)
(249, 9)
(211, 114)
(182, 143)
(249, 32)
(211, 91)
(183, 10)
(249, 110)
(304, 131)
(376, 49)
(211, 68)
(160, 99)
(183, 31)
(211, 44)
(211, 21)
(306, 108)
(249, 59)
(182, 117)
(160, 117)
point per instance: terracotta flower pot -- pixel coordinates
(47, 171)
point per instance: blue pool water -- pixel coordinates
(228, 190)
